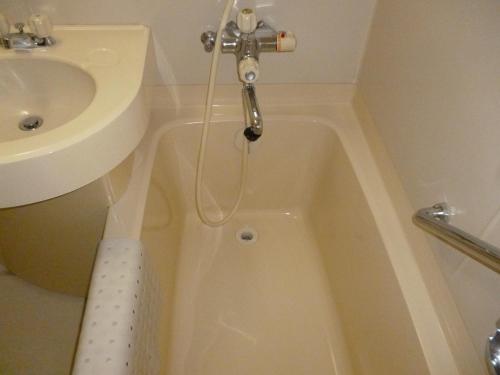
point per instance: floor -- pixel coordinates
(38, 328)
(255, 300)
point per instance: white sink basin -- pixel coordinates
(87, 91)
(53, 91)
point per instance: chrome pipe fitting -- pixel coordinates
(246, 39)
(263, 39)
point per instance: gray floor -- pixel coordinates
(38, 328)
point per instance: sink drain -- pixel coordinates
(30, 123)
(247, 235)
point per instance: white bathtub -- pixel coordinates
(316, 274)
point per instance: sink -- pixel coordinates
(50, 91)
(70, 112)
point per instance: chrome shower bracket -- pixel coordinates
(440, 211)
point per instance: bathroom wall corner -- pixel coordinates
(447, 311)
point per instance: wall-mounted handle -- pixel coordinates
(435, 220)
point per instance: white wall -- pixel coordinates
(431, 80)
(331, 33)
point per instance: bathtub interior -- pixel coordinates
(332, 304)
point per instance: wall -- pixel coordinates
(331, 34)
(431, 81)
(380, 335)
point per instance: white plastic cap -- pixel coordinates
(40, 25)
(286, 41)
(4, 25)
(248, 70)
(247, 21)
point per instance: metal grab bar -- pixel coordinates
(435, 220)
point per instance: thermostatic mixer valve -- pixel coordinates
(246, 39)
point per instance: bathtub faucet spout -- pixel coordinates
(246, 39)
(255, 125)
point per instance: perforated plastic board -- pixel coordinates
(118, 335)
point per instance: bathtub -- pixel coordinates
(317, 273)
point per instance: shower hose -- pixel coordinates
(204, 137)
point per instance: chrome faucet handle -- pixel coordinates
(20, 27)
(39, 35)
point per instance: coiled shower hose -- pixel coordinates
(204, 137)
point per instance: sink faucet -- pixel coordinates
(39, 37)
(246, 39)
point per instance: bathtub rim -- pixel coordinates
(436, 327)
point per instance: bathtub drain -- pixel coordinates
(247, 235)
(30, 123)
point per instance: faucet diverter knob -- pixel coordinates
(247, 21)
(248, 70)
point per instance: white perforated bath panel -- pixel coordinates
(119, 327)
